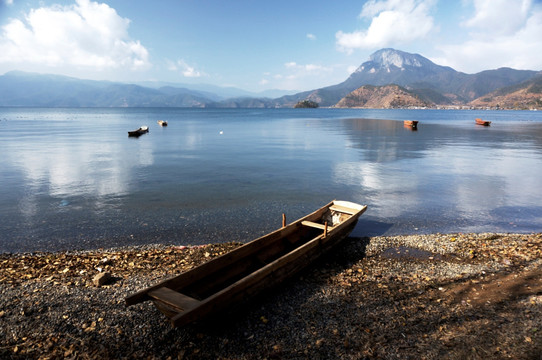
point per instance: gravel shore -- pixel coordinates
(439, 296)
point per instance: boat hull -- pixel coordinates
(142, 130)
(245, 272)
(413, 124)
(482, 122)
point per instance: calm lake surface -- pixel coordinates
(73, 179)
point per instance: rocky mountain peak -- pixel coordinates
(392, 57)
(393, 60)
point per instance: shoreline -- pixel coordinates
(432, 296)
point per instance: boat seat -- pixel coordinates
(316, 225)
(343, 209)
(174, 298)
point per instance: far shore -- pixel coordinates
(436, 296)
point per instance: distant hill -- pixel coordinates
(28, 89)
(19, 88)
(242, 102)
(440, 85)
(420, 80)
(383, 97)
(523, 96)
(217, 92)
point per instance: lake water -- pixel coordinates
(73, 179)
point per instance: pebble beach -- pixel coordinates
(437, 296)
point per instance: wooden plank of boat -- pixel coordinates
(482, 122)
(142, 130)
(162, 122)
(316, 225)
(243, 273)
(411, 123)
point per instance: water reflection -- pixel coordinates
(218, 175)
(61, 173)
(68, 169)
(440, 171)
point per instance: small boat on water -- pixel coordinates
(246, 271)
(162, 122)
(142, 130)
(411, 124)
(482, 122)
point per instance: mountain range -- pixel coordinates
(416, 81)
(432, 83)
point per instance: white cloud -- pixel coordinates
(392, 22)
(85, 35)
(499, 17)
(307, 68)
(311, 36)
(503, 33)
(296, 76)
(171, 66)
(290, 64)
(187, 70)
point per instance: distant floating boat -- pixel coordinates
(482, 122)
(142, 130)
(162, 122)
(411, 123)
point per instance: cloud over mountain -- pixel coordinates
(392, 22)
(502, 32)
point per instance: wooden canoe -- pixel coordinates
(482, 122)
(162, 122)
(411, 123)
(246, 271)
(142, 130)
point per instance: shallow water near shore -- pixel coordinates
(73, 179)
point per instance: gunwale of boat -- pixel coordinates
(250, 268)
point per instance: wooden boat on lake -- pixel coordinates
(246, 271)
(162, 122)
(413, 124)
(142, 130)
(482, 122)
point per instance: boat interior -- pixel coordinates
(229, 268)
(256, 265)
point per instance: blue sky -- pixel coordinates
(260, 45)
